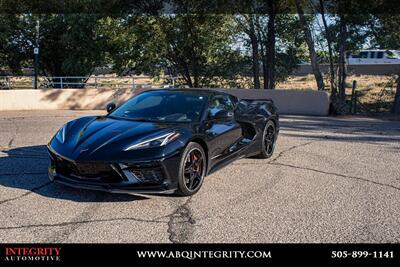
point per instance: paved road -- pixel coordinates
(330, 180)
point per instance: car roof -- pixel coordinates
(378, 50)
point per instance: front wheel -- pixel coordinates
(192, 169)
(268, 140)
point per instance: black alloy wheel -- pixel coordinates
(268, 141)
(192, 169)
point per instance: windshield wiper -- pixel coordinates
(144, 119)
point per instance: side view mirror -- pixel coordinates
(110, 107)
(223, 115)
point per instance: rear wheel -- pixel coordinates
(268, 140)
(192, 169)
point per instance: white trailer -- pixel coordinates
(377, 56)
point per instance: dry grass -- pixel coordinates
(374, 92)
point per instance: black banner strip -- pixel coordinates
(199, 254)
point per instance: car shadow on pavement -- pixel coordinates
(361, 130)
(26, 168)
(354, 138)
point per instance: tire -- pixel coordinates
(192, 170)
(268, 140)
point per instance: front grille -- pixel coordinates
(92, 169)
(86, 170)
(149, 173)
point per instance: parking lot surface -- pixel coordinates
(330, 180)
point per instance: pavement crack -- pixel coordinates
(85, 215)
(26, 193)
(62, 224)
(282, 153)
(336, 174)
(181, 222)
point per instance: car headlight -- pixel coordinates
(60, 135)
(158, 141)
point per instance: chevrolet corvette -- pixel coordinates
(162, 141)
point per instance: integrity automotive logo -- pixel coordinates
(31, 254)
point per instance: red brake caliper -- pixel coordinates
(197, 166)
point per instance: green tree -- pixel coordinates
(247, 23)
(195, 44)
(288, 47)
(136, 44)
(13, 50)
(384, 28)
(310, 43)
(346, 31)
(70, 45)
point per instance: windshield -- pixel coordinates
(163, 106)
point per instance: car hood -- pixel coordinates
(94, 138)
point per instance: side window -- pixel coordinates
(379, 55)
(364, 55)
(372, 54)
(218, 103)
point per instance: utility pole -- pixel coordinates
(36, 54)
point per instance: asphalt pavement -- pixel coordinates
(330, 180)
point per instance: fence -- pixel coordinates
(95, 82)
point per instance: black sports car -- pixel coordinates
(162, 141)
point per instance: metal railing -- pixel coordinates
(85, 82)
(27, 82)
